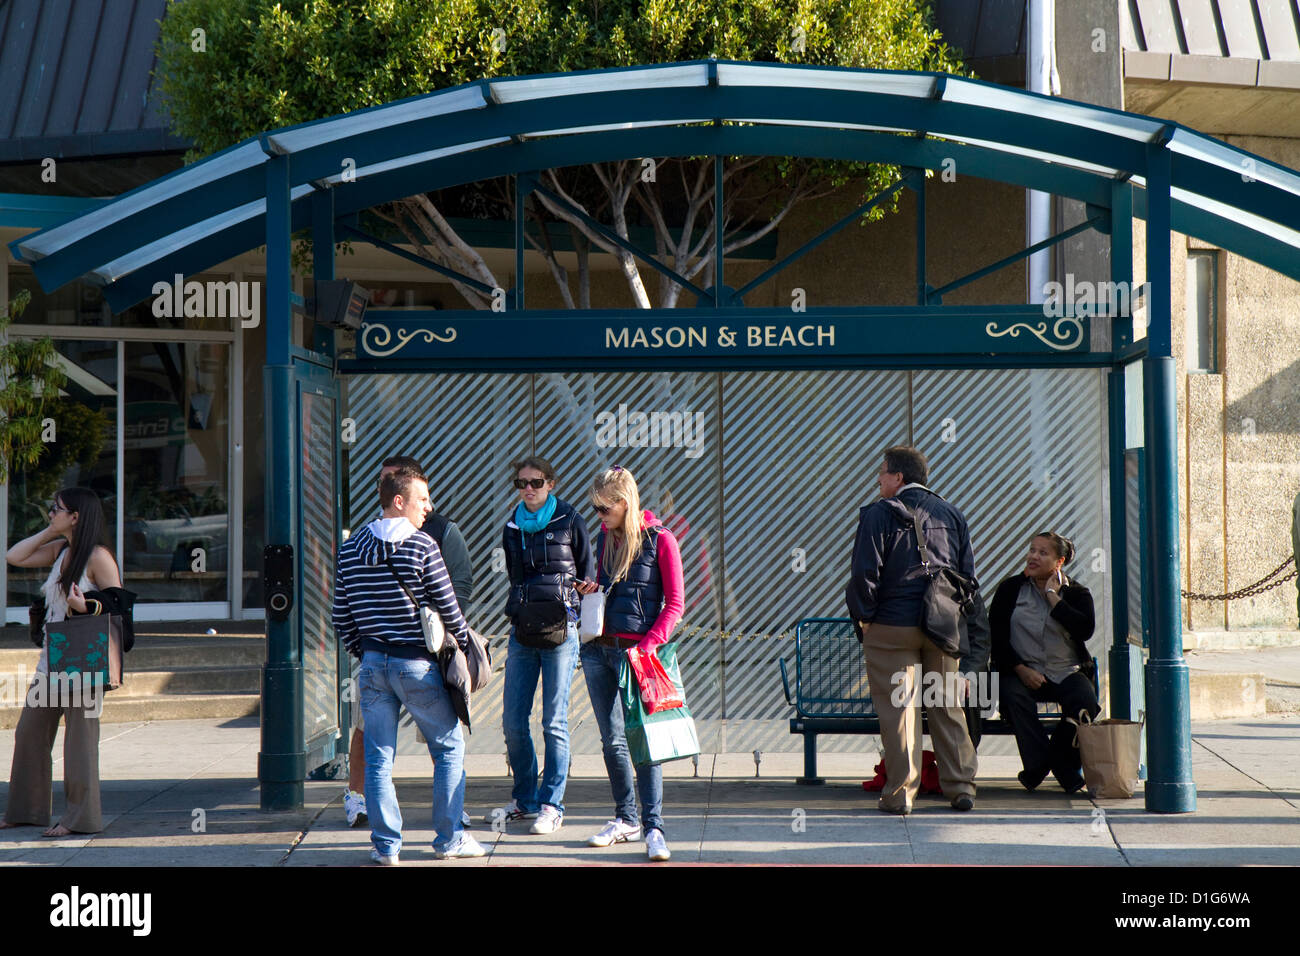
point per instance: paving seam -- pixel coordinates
(302, 834)
(1243, 773)
(708, 805)
(1111, 830)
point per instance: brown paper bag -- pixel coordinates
(1111, 750)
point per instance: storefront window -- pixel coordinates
(175, 460)
(82, 453)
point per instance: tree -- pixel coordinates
(29, 388)
(231, 68)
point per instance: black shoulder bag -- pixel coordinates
(947, 598)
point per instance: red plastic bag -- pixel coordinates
(929, 775)
(657, 689)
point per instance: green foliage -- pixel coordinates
(268, 64)
(81, 433)
(29, 384)
(272, 64)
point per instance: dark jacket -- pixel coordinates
(455, 555)
(633, 604)
(975, 638)
(121, 602)
(888, 583)
(1074, 612)
(544, 565)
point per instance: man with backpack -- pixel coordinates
(886, 596)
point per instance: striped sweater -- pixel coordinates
(371, 611)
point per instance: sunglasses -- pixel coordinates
(602, 509)
(535, 483)
(55, 509)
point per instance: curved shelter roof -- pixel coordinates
(215, 209)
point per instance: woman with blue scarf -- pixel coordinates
(548, 550)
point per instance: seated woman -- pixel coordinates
(1040, 622)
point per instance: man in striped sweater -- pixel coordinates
(378, 623)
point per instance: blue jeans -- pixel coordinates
(555, 668)
(600, 667)
(386, 683)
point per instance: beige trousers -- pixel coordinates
(901, 657)
(31, 777)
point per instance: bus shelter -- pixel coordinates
(320, 175)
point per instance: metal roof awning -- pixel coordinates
(215, 209)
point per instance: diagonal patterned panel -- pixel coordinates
(1133, 553)
(319, 657)
(782, 461)
(465, 430)
(586, 422)
(799, 459)
(1020, 452)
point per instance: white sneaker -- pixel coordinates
(465, 821)
(377, 857)
(354, 808)
(616, 831)
(656, 847)
(548, 820)
(464, 847)
(508, 814)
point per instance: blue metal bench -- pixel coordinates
(831, 695)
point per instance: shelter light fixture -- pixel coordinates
(339, 304)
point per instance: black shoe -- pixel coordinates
(1074, 786)
(963, 802)
(1028, 781)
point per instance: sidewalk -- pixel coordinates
(162, 780)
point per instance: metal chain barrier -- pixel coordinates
(1259, 587)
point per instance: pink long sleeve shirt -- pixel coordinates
(670, 569)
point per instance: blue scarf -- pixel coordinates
(534, 521)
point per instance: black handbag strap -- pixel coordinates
(391, 567)
(920, 537)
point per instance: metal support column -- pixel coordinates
(281, 764)
(1170, 787)
(322, 258)
(1123, 701)
(922, 287)
(718, 277)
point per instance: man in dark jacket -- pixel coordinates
(905, 668)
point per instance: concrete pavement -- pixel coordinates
(184, 792)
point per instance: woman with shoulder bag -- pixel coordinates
(69, 547)
(1040, 622)
(547, 552)
(640, 564)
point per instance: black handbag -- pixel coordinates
(948, 598)
(542, 625)
(36, 621)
